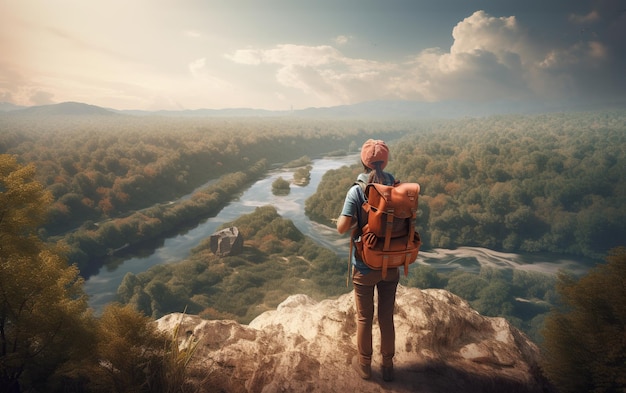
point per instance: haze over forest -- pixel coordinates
(365, 110)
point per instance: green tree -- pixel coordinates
(466, 285)
(280, 186)
(425, 277)
(495, 299)
(585, 339)
(302, 176)
(44, 323)
(135, 356)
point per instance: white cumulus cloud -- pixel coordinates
(486, 59)
(490, 58)
(287, 54)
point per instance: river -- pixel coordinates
(102, 286)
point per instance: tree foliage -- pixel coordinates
(102, 167)
(49, 340)
(120, 173)
(281, 186)
(302, 175)
(524, 298)
(278, 261)
(45, 328)
(585, 338)
(92, 242)
(133, 356)
(541, 183)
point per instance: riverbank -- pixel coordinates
(90, 247)
(102, 285)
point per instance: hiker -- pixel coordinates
(374, 157)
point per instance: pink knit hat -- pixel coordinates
(374, 151)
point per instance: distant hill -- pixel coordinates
(448, 109)
(64, 109)
(365, 110)
(228, 112)
(7, 107)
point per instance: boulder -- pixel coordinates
(226, 242)
(442, 345)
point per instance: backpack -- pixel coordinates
(389, 238)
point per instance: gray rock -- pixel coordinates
(226, 242)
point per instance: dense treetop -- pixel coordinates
(516, 183)
(112, 178)
(49, 339)
(277, 261)
(585, 336)
(98, 167)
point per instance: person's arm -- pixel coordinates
(347, 219)
(344, 223)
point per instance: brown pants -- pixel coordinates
(364, 296)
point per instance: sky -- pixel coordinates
(296, 54)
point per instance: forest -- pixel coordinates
(550, 183)
(113, 178)
(99, 167)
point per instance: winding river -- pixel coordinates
(102, 286)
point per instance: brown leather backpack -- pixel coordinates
(389, 238)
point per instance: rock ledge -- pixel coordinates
(442, 345)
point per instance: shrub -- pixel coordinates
(585, 338)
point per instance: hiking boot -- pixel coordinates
(364, 370)
(388, 374)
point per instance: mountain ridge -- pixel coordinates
(69, 108)
(368, 109)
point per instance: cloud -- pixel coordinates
(481, 31)
(288, 55)
(490, 58)
(196, 67)
(86, 45)
(41, 98)
(482, 62)
(341, 40)
(581, 54)
(321, 71)
(16, 88)
(591, 17)
(201, 73)
(192, 34)
(190, 62)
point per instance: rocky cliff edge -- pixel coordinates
(442, 345)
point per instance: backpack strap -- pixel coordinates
(361, 184)
(349, 262)
(356, 231)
